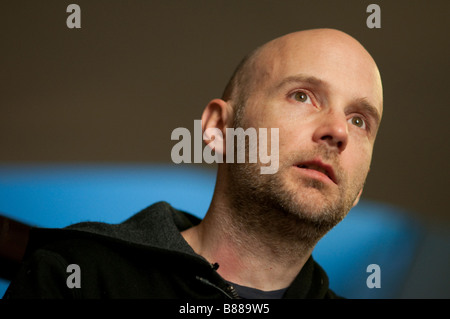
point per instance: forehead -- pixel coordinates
(344, 67)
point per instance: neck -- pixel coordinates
(262, 253)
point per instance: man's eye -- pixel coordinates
(301, 97)
(358, 121)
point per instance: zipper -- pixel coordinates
(229, 291)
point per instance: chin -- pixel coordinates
(314, 202)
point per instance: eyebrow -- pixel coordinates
(365, 105)
(368, 108)
(300, 78)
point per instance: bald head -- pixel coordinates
(295, 52)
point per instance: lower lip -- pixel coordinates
(312, 173)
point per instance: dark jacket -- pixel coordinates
(143, 257)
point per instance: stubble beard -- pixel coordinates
(287, 210)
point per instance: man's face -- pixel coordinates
(325, 97)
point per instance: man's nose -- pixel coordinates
(332, 130)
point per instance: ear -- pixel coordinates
(215, 119)
(357, 198)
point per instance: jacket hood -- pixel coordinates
(157, 228)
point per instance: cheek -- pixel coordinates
(260, 117)
(356, 161)
(266, 113)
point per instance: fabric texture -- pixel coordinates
(143, 257)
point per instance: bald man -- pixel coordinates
(323, 91)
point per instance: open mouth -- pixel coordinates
(320, 167)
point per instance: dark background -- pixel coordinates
(114, 90)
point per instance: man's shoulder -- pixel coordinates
(105, 253)
(157, 218)
(157, 226)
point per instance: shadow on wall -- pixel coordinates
(372, 234)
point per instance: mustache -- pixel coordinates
(322, 152)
